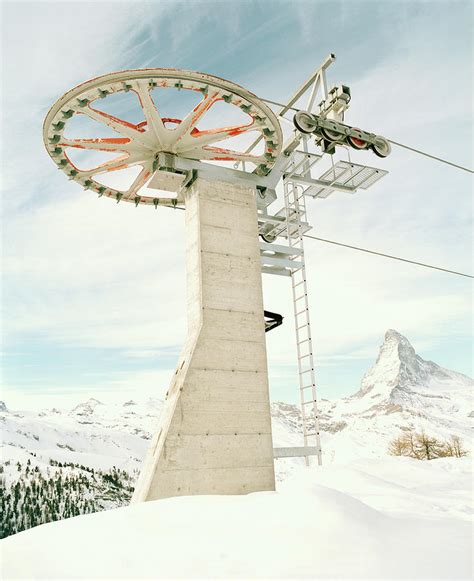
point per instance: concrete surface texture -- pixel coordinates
(215, 430)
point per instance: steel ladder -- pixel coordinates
(295, 208)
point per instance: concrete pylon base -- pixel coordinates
(215, 431)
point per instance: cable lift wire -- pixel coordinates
(457, 166)
(388, 256)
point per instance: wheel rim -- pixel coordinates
(304, 122)
(138, 144)
(333, 136)
(381, 147)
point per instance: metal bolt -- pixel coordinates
(137, 200)
(103, 93)
(67, 114)
(118, 196)
(87, 184)
(83, 102)
(156, 201)
(59, 125)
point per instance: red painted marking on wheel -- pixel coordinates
(230, 131)
(358, 141)
(116, 119)
(223, 154)
(97, 141)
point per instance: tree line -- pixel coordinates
(64, 490)
(422, 446)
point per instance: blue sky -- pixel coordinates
(93, 292)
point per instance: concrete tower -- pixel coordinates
(215, 431)
(214, 435)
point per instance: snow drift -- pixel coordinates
(304, 530)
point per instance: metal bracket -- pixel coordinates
(193, 169)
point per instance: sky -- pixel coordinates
(93, 292)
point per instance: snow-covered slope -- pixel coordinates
(396, 518)
(386, 516)
(92, 433)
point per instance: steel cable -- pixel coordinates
(388, 256)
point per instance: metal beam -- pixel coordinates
(295, 452)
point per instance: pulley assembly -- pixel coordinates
(331, 133)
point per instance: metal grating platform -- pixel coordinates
(346, 175)
(274, 226)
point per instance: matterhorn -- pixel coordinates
(401, 391)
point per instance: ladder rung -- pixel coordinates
(307, 386)
(311, 434)
(301, 312)
(298, 283)
(303, 341)
(302, 326)
(306, 371)
(303, 356)
(310, 401)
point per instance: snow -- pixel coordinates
(363, 515)
(392, 519)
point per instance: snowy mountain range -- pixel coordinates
(61, 463)
(401, 390)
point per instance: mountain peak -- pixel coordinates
(87, 407)
(393, 335)
(397, 348)
(399, 370)
(396, 357)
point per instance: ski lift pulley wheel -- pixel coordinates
(138, 144)
(332, 136)
(304, 122)
(381, 147)
(357, 143)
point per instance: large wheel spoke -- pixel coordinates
(209, 136)
(99, 144)
(153, 119)
(191, 120)
(222, 154)
(121, 126)
(139, 181)
(122, 162)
